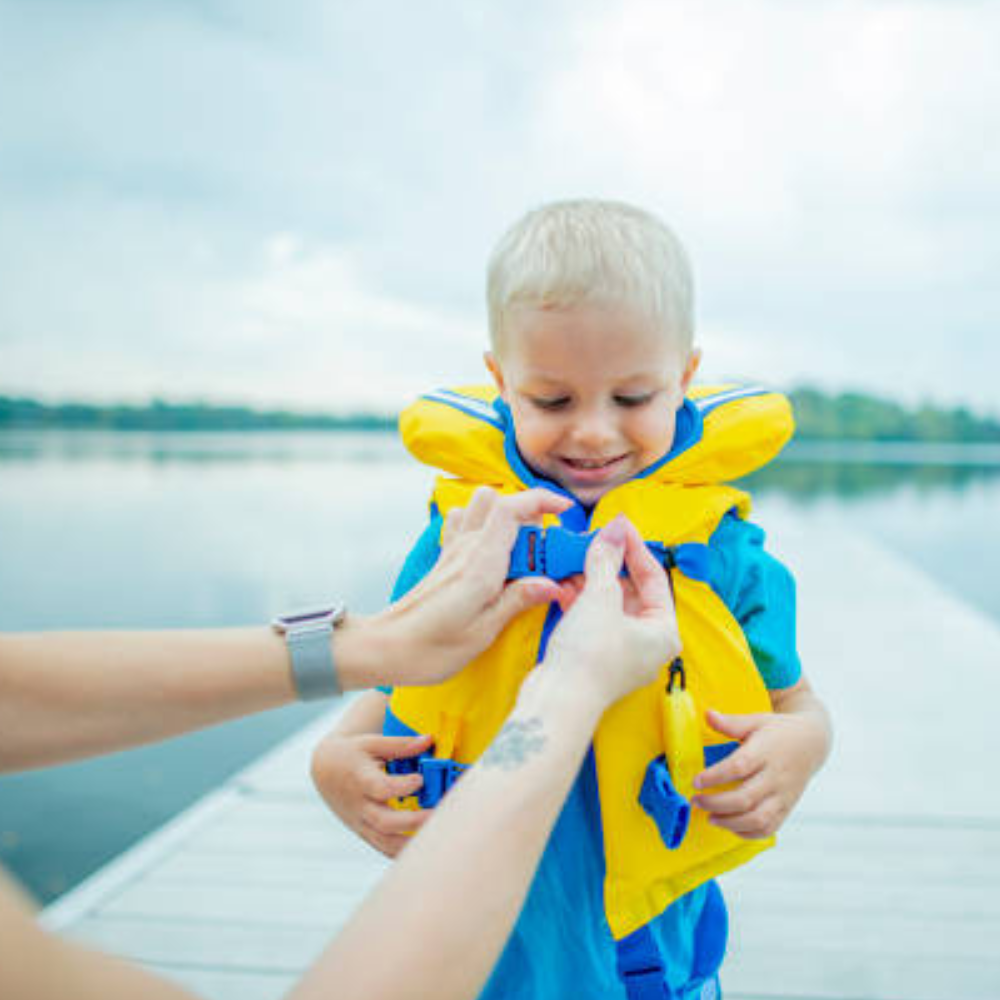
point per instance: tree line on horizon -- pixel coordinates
(850, 416)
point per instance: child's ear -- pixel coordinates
(496, 371)
(694, 360)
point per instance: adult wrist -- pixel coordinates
(362, 649)
(546, 690)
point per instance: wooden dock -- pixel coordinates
(885, 886)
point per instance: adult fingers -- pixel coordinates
(452, 526)
(514, 510)
(605, 556)
(479, 507)
(529, 506)
(648, 577)
(569, 591)
(520, 596)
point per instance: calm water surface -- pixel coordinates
(195, 530)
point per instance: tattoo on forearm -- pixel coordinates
(514, 744)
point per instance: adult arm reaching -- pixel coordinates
(449, 904)
(66, 695)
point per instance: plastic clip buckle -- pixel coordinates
(527, 558)
(438, 774)
(565, 552)
(668, 809)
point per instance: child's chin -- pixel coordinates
(589, 495)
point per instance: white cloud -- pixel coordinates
(830, 166)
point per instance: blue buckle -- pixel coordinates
(668, 809)
(558, 553)
(565, 552)
(554, 552)
(439, 775)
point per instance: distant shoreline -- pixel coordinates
(843, 418)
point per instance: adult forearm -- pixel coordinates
(65, 695)
(452, 898)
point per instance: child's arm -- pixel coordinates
(348, 769)
(778, 756)
(779, 752)
(348, 766)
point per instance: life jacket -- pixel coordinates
(676, 504)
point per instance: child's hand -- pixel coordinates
(349, 772)
(772, 768)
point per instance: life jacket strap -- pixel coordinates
(439, 775)
(641, 968)
(558, 553)
(667, 808)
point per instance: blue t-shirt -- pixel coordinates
(561, 944)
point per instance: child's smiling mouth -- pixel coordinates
(592, 470)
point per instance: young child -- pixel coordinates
(590, 308)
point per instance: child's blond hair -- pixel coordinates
(568, 253)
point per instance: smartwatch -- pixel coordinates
(307, 635)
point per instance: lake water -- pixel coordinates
(195, 530)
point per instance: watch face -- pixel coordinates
(328, 614)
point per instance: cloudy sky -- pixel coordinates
(292, 203)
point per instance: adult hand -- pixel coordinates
(618, 632)
(463, 603)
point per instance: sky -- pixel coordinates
(292, 204)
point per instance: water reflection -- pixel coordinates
(811, 472)
(139, 530)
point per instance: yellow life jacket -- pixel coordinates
(731, 431)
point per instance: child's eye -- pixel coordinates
(640, 400)
(555, 403)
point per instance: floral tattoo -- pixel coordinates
(515, 743)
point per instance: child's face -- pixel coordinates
(593, 391)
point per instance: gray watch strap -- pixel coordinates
(308, 636)
(313, 667)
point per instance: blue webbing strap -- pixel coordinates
(667, 808)
(558, 553)
(641, 968)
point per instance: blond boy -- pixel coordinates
(590, 310)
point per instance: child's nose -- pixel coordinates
(593, 430)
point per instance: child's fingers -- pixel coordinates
(740, 800)
(393, 822)
(390, 846)
(397, 786)
(394, 747)
(738, 766)
(763, 821)
(378, 786)
(739, 727)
